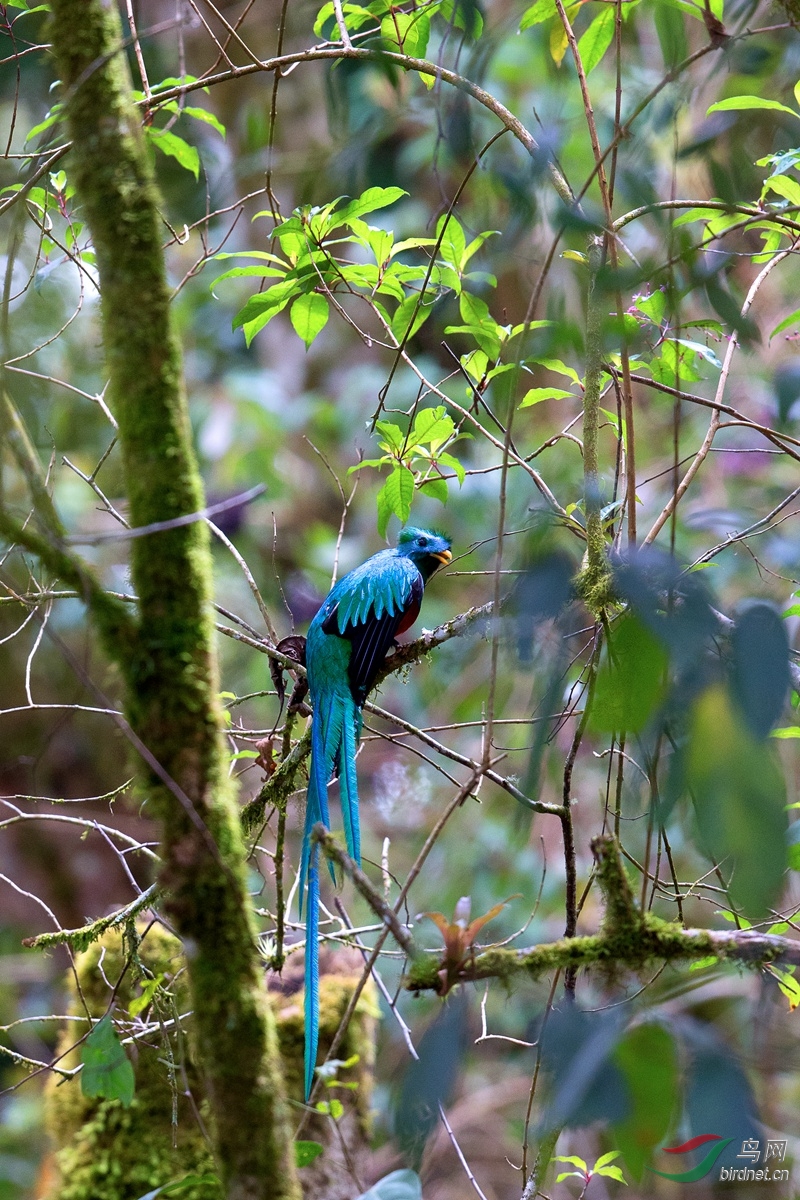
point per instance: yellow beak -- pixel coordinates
(443, 556)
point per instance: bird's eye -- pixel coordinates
(423, 541)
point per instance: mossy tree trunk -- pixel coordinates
(169, 664)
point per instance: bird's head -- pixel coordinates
(426, 548)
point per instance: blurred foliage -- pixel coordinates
(382, 307)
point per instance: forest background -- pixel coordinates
(538, 290)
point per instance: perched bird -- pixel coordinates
(346, 645)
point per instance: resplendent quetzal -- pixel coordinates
(346, 645)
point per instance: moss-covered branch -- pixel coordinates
(629, 939)
(171, 672)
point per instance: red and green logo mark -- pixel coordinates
(705, 1165)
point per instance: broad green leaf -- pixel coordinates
(309, 316)
(394, 498)
(537, 395)
(437, 488)
(174, 146)
(784, 186)
(202, 114)
(631, 682)
(464, 14)
(611, 1173)
(541, 11)
(648, 1058)
(671, 33)
(789, 731)
(574, 1159)
(354, 17)
(393, 435)
(261, 308)
(593, 44)
(406, 33)
(742, 103)
(652, 306)
(557, 367)
(605, 1159)
(449, 460)
(247, 272)
(306, 1152)
(432, 427)
(739, 796)
(369, 201)
(409, 316)
(452, 243)
(107, 1070)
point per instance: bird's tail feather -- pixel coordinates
(311, 996)
(348, 784)
(322, 759)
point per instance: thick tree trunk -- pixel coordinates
(169, 666)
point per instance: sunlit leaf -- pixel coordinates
(743, 103)
(169, 143)
(309, 316)
(593, 44)
(394, 498)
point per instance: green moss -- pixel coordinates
(107, 1152)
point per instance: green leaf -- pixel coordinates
(406, 33)
(784, 186)
(369, 201)
(605, 1159)
(174, 146)
(700, 964)
(309, 316)
(742, 103)
(432, 427)
(394, 498)
(631, 682)
(789, 731)
(537, 395)
(464, 14)
(392, 434)
(306, 1152)
(202, 114)
(652, 306)
(106, 1068)
(437, 488)
(739, 795)
(139, 1003)
(409, 316)
(449, 460)
(541, 11)
(612, 1173)
(557, 367)
(330, 1108)
(574, 1159)
(792, 319)
(648, 1058)
(593, 44)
